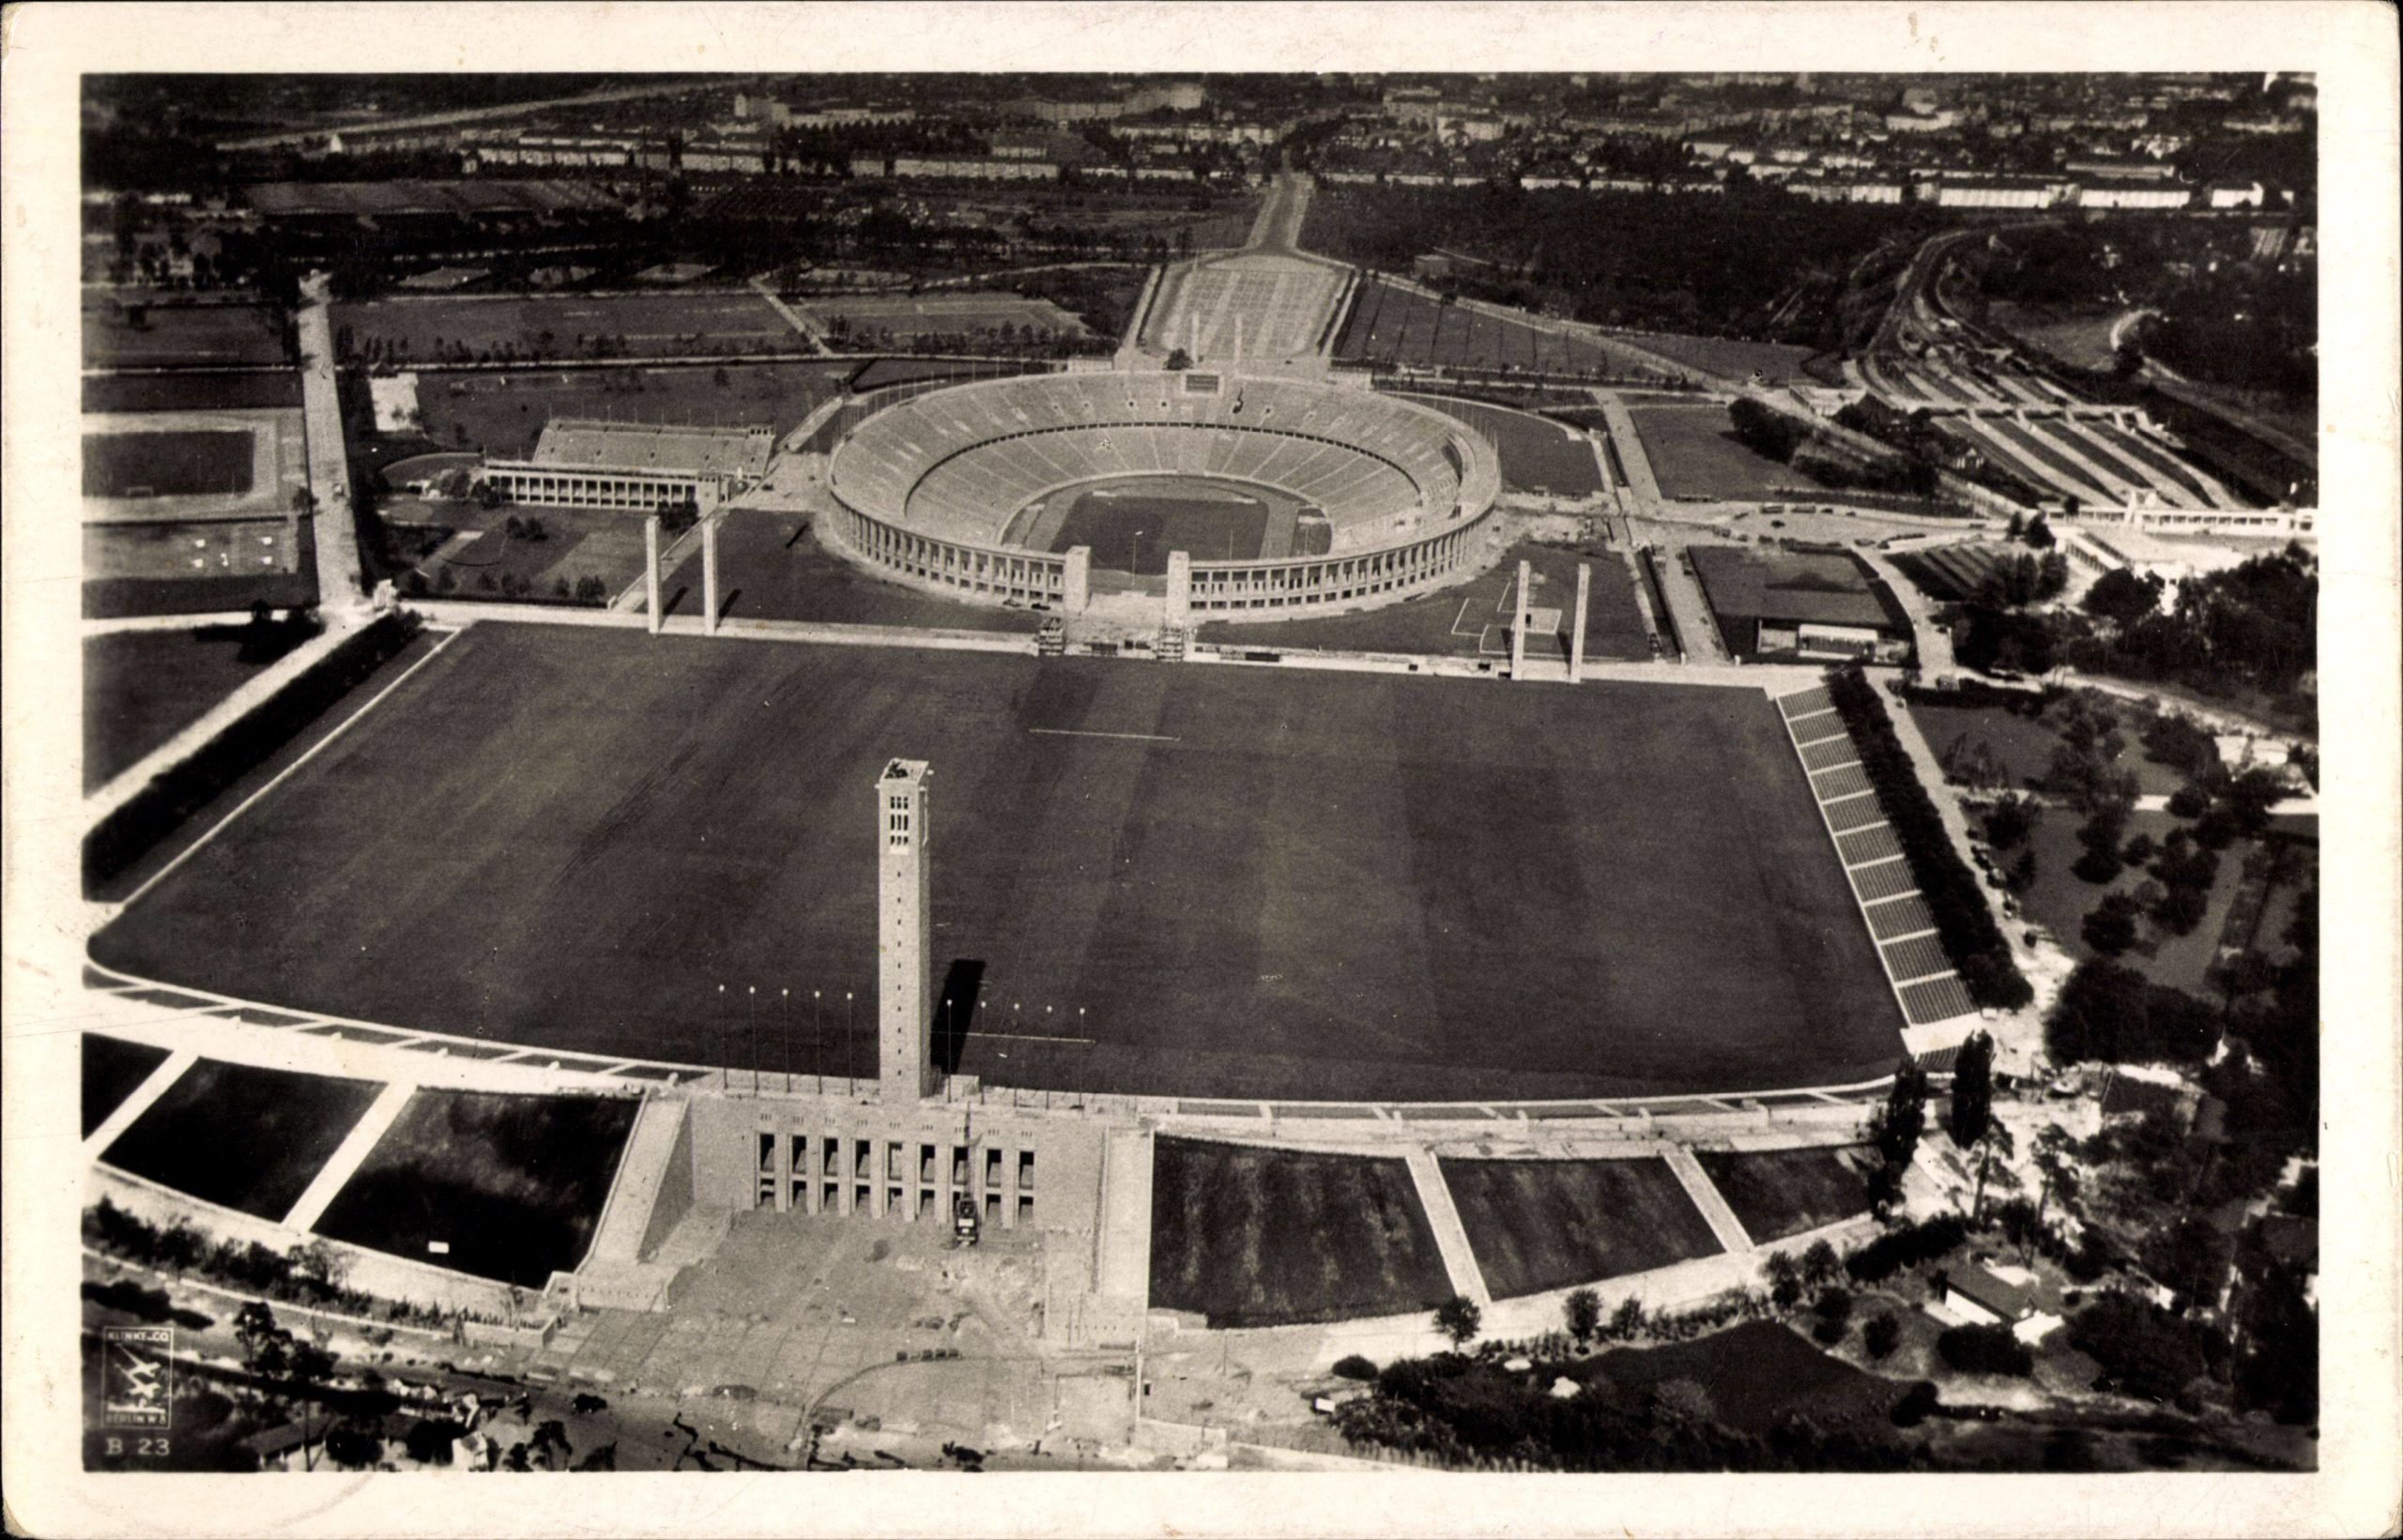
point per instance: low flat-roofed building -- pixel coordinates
(1778, 604)
(588, 463)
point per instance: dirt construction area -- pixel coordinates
(883, 1335)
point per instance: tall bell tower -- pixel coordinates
(906, 1070)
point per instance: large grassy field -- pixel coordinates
(1695, 453)
(112, 1069)
(563, 326)
(774, 569)
(1250, 1236)
(167, 464)
(1132, 528)
(1473, 619)
(503, 414)
(202, 566)
(180, 335)
(249, 1137)
(1215, 880)
(143, 687)
(1777, 1193)
(513, 1184)
(1537, 1225)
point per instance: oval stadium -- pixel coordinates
(1281, 494)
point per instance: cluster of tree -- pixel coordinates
(1894, 1131)
(310, 1274)
(1822, 457)
(1467, 1412)
(1963, 920)
(1907, 1246)
(2122, 596)
(1006, 340)
(2147, 1350)
(1916, 434)
(2018, 581)
(2115, 1015)
(1985, 1349)
(1664, 261)
(2253, 626)
(2254, 326)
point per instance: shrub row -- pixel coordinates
(1909, 1246)
(1950, 890)
(150, 815)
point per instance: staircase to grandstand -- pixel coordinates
(1924, 982)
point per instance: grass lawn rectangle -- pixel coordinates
(1235, 882)
(1249, 1235)
(514, 1185)
(181, 335)
(112, 1069)
(2059, 900)
(213, 567)
(248, 1137)
(772, 568)
(1777, 1193)
(143, 687)
(1134, 532)
(1473, 618)
(193, 392)
(167, 464)
(1696, 453)
(1539, 1224)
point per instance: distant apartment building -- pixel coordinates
(2132, 195)
(1996, 192)
(1938, 122)
(2120, 171)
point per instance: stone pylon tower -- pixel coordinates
(906, 1071)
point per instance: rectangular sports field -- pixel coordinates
(163, 465)
(1197, 881)
(1696, 453)
(504, 413)
(650, 325)
(1135, 531)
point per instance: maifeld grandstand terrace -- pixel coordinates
(1236, 493)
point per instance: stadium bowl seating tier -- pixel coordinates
(931, 486)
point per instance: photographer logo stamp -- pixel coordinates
(137, 1366)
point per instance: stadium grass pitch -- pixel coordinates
(1202, 881)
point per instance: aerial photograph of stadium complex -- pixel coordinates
(1585, 771)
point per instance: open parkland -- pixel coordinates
(1287, 973)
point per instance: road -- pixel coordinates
(1277, 228)
(340, 579)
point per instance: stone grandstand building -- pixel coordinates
(588, 463)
